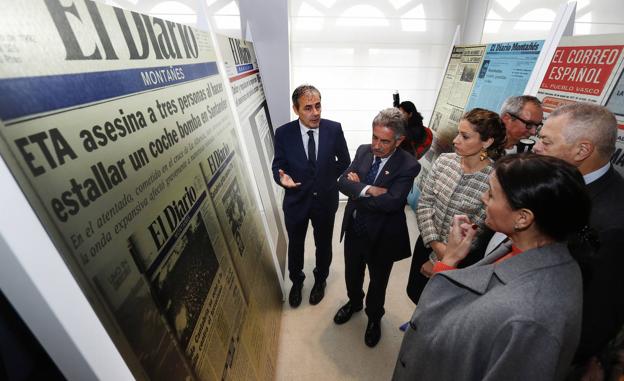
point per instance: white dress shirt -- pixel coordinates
(305, 137)
(384, 160)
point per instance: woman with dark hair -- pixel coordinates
(454, 186)
(516, 314)
(417, 137)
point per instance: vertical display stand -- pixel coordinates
(38, 284)
(247, 153)
(563, 25)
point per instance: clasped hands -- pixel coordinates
(372, 190)
(460, 238)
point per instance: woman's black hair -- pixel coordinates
(415, 129)
(551, 188)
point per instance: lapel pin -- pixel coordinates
(386, 173)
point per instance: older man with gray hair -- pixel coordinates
(584, 135)
(377, 183)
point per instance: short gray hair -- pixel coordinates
(393, 119)
(590, 121)
(515, 104)
(301, 90)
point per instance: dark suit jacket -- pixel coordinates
(603, 273)
(332, 159)
(386, 224)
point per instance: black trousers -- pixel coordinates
(358, 254)
(323, 230)
(416, 282)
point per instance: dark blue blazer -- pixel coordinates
(386, 225)
(332, 159)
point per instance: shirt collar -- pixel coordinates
(384, 159)
(304, 129)
(595, 175)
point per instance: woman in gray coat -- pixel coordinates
(516, 314)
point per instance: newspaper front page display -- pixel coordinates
(615, 103)
(111, 121)
(588, 69)
(230, 191)
(241, 67)
(457, 84)
(505, 72)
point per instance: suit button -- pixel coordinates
(314, 194)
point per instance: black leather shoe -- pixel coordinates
(373, 333)
(317, 293)
(294, 298)
(344, 313)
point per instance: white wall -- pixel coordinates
(513, 20)
(358, 52)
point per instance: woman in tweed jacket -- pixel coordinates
(454, 186)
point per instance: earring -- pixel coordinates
(483, 154)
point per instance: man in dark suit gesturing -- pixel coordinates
(377, 183)
(310, 154)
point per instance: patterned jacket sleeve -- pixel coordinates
(426, 206)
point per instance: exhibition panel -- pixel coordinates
(118, 128)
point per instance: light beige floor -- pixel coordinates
(312, 347)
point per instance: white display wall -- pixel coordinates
(509, 20)
(358, 52)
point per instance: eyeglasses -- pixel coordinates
(528, 124)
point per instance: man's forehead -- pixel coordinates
(532, 108)
(309, 97)
(553, 126)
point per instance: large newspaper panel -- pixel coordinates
(117, 127)
(505, 71)
(588, 69)
(243, 73)
(457, 84)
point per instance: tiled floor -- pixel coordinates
(312, 347)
